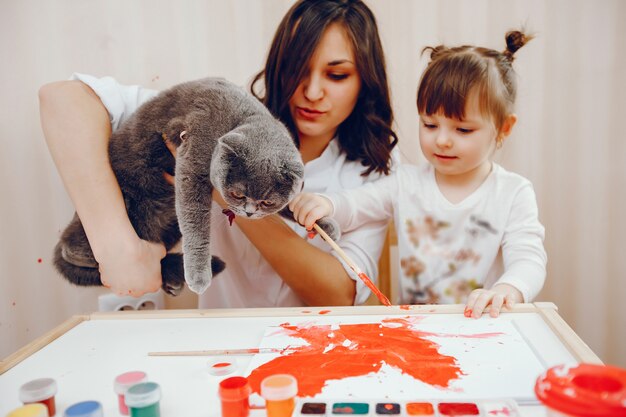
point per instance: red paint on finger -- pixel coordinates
(467, 312)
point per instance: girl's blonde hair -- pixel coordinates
(454, 73)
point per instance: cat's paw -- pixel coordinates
(199, 280)
(173, 273)
(330, 226)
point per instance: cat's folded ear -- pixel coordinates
(229, 143)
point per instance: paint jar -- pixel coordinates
(234, 393)
(42, 391)
(84, 409)
(279, 392)
(30, 410)
(583, 390)
(143, 399)
(122, 383)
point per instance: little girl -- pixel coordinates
(468, 230)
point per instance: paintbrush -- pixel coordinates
(366, 280)
(218, 352)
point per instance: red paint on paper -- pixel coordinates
(39, 260)
(381, 297)
(393, 341)
(405, 307)
(324, 312)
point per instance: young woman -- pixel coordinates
(330, 91)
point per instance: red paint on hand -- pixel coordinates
(230, 215)
(381, 297)
(467, 312)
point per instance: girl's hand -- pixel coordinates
(307, 208)
(133, 269)
(500, 295)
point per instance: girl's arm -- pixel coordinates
(77, 129)
(524, 259)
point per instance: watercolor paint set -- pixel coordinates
(417, 408)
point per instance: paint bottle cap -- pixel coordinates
(583, 390)
(220, 367)
(38, 390)
(279, 387)
(84, 409)
(30, 410)
(235, 388)
(143, 395)
(126, 380)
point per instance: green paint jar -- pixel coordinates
(143, 400)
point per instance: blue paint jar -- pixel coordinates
(85, 409)
(143, 400)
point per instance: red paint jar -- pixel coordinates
(234, 393)
(122, 383)
(583, 390)
(42, 391)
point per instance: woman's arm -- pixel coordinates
(77, 129)
(317, 277)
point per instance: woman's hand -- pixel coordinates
(307, 208)
(132, 269)
(494, 299)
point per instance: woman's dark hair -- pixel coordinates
(454, 73)
(366, 134)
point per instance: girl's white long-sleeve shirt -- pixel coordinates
(446, 250)
(249, 280)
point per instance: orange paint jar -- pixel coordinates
(279, 392)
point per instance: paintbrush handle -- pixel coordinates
(217, 352)
(382, 297)
(336, 248)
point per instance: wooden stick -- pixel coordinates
(383, 299)
(218, 352)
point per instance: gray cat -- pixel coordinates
(226, 139)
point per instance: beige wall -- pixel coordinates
(569, 140)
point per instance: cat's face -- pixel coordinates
(256, 182)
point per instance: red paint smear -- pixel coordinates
(306, 311)
(39, 260)
(375, 290)
(467, 312)
(405, 307)
(324, 312)
(221, 364)
(372, 345)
